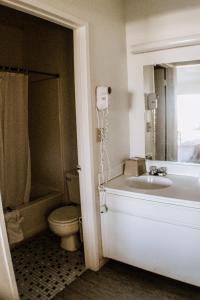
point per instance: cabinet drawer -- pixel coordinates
(152, 209)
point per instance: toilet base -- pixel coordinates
(70, 243)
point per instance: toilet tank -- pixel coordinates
(72, 179)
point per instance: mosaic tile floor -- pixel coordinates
(43, 269)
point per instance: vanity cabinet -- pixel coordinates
(157, 236)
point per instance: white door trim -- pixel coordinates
(85, 146)
(83, 117)
(6, 267)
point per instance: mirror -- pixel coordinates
(172, 111)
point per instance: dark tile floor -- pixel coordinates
(117, 281)
(43, 269)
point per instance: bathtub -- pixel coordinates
(35, 213)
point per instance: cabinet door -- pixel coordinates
(161, 247)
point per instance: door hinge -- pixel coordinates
(78, 168)
(104, 209)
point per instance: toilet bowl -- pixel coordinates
(64, 222)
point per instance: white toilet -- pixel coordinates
(64, 221)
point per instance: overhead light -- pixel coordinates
(178, 42)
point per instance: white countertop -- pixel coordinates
(184, 188)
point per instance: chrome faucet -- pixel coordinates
(153, 170)
(162, 171)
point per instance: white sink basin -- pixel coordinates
(148, 182)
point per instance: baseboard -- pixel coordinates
(102, 262)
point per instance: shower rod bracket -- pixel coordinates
(26, 71)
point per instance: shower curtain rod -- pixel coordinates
(25, 71)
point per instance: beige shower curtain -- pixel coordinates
(14, 143)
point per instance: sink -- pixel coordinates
(148, 182)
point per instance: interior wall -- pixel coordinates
(108, 67)
(11, 34)
(11, 38)
(51, 49)
(188, 80)
(154, 20)
(44, 135)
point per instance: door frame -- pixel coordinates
(85, 140)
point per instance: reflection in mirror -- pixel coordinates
(172, 111)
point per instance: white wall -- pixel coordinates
(188, 80)
(147, 21)
(151, 20)
(108, 65)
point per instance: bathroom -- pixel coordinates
(39, 136)
(112, 42)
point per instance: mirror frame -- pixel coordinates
(136, 90)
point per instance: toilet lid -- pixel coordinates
(65, 214)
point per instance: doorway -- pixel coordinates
(83, 109)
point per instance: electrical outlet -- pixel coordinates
(100, 134)
(148, 127)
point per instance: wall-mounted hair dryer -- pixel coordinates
(102, 94)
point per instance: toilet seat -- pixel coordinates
(65, 214)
